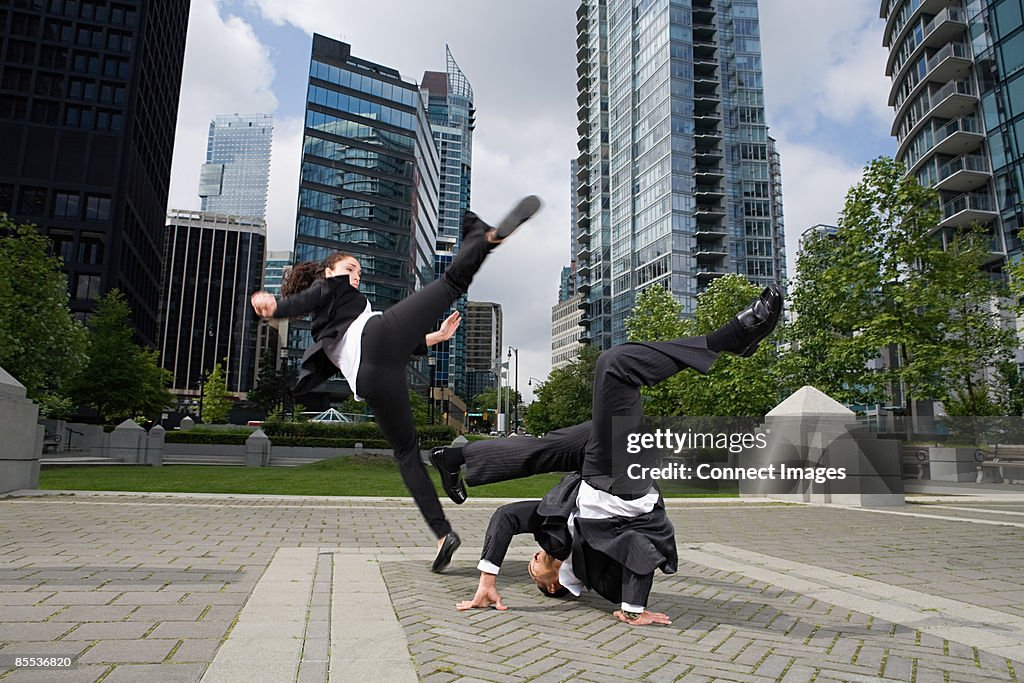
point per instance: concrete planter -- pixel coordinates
(952, 464)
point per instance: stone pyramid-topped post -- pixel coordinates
(821, 454)
(21, 437)
(128, 443)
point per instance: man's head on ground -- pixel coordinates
(544, 571)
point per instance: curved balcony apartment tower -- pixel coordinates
(958, 97)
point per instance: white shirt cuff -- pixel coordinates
(488, 567)
(626, 607)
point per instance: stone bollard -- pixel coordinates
(812, 430)
(257, 449)
(128, 443)
(21, 438)
(187, 423)
(155, 446)
(460, 441)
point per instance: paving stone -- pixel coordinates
(129, 651)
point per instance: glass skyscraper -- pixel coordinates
(212, 263)
(958, 97)
(236, 174)
(450, 110)
(88, 103)
(369, 179)
(674, 168)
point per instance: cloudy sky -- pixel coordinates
(824, 85)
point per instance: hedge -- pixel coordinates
(209, 438)
(317, 435)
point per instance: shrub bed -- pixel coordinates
(316, 435)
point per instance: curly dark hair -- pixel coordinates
(302, 275)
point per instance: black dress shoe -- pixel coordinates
(759, 319)
(445, 552)
(519, 214)
(451, 480)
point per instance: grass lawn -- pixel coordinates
(351, 476)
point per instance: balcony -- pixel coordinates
(583, 128)
(709, 211)
(709, 254)
(583, 54)
(582, 83)
(711, 232)
(951, 63)
(965, 173)
(704, 48)
(959, 136)
(583, 236)
(705, 274)
(583, 203)
(581, 167)
(956, 99)
(943, 28)
(926, 7)
(708, 172)
(705, 156)
(707, 193)
(970, 207)
(583, 113)
(703, 30)
(706, 105)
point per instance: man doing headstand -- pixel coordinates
(598, 528)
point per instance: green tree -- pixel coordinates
(565, 398)
(734, 386)
(216, 399)
(271, 386)
(488, 400)
(891, 278)
(41, 344)
(120, 380)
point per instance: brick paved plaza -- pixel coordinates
(187, 588)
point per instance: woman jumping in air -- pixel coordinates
(372, 349)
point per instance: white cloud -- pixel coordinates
(227, 70)
(285, 161)
(814, 185)
(823, 61)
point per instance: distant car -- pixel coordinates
(254, 423)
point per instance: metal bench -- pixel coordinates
(1005, 458)
(51, 442)
(915, 457)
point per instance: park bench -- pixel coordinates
(51, 442)
(914, 457)
(1007, 458)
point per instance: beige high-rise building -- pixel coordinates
(565, 331)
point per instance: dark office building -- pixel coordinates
(88, 105)
(213, 262)
(369, 180)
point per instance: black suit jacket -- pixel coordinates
(615, 557)
(334, 303)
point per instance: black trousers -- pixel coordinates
(596, 447)
(387, 343)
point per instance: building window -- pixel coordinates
(33, 201)
(90, 249)
(66, 205)
(97, 208)
(63, 245)
(88, 287)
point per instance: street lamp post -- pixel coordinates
(515, 421)
(432, 362)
